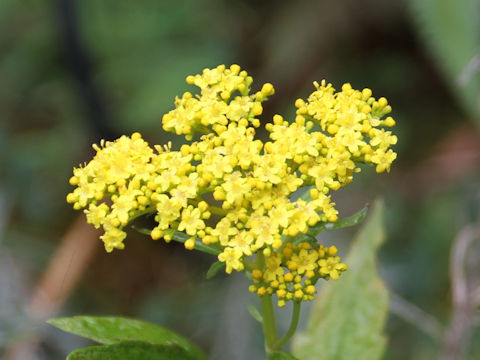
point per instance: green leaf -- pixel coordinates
(110, 330)
(348, 318)
(214, 269)
(281, 355)
(131, 350)
(143, 231)
(339, 224)
(182, 237)
(252, 309)
(451, 31)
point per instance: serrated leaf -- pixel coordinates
(110, 330)
(214, 269)
(281, 355)
(252, 309)
(451, 31)
(347, 320)
(131, 350)
(339, 224)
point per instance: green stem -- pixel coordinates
(181, 237)
(269, 326)
(150, 209)
(248, 265)
(202, 130)
(293, 325)
(216, 210)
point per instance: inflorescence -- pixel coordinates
(232, 191)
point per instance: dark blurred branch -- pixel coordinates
(476, 296)
(465, 300)
(79, 63)
(64, 271)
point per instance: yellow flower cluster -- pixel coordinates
(224, 99)
(233, 192)
(292, 273)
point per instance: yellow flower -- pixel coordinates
(235, 192)
(232, 259)
(191, 221)
(123, 204)
(264, 231)
(224, 230)
(331, 267)
(167, 212)
(383, 159)
(96, 214)
(305, 260)
(113, 238)
(236, 187)
(243, 241)
(273, 270)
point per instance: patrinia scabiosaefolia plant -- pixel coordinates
(232, 195)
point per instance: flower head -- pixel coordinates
(232, 191)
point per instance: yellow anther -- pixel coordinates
(257, 109)
(346, 87)
(235, 69)
(292, 265)
(299, 103)
(332, 129)
(298, 294)
(366, 109)
(261, 291)
(190, 244)
(257, 274)
(156, 234)
(300, 120)
(366, 93)
(277, 119)
(202, 206)
(382, 102)
(332, 250)
(73, 180)
(277, 243)
(332, 218)
(389, 122)
(287, 252)
(136, 136)
(267, 89)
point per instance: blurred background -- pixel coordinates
(74, 72)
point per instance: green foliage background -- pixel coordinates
(347, 321)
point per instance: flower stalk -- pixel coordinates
(269, 324)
